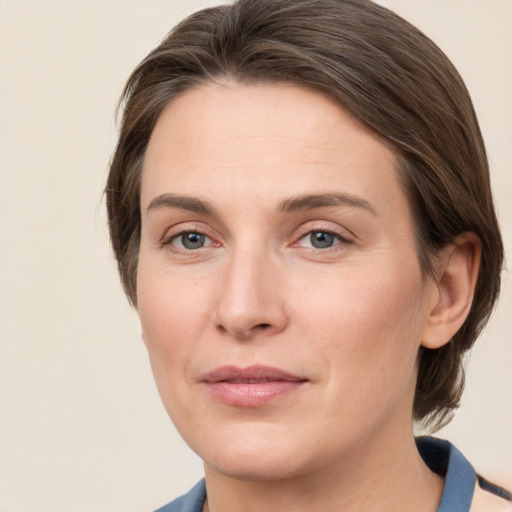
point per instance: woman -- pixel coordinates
(300, 207)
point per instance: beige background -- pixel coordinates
(81, 426)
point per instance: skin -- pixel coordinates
(348, 319)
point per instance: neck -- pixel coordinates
(377, 477)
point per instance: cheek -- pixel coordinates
(169, 304)
(368, 324)
(172, 312)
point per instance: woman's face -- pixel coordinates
(279, 291)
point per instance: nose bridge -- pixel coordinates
(249, 299)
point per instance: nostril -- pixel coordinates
(263, 326)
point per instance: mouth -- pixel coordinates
(250, 387)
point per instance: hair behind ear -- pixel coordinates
(439, 388)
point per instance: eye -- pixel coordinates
(321, 239)
(190, 240)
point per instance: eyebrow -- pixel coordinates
(174, 201)
(312, 201)
(293, 204)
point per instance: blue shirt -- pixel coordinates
(440, 456)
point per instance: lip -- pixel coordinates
(253, 386)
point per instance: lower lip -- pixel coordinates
(252, 394)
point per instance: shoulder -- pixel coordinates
(193, 501)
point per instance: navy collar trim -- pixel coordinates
(460, 477)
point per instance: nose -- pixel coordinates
(251, 301)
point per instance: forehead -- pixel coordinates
(263, 140)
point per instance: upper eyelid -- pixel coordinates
(324, 230)
(184, 227)
(341, 240)
(310, 227)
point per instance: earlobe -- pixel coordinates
(455, 281)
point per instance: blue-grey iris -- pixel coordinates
(192, 240)
(321, 239)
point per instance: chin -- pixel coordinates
(257, 454)
(261, 466)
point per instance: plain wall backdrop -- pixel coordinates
(81, 425)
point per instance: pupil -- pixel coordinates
(193, 240)
(321, 239)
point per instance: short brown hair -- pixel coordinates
(388, 75)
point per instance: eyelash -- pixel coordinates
(168, 241)
(341, 240)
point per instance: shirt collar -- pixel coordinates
(460, 477)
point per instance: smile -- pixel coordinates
(250, 387)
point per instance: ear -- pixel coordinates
(454, 287)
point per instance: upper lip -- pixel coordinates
(250, 374)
